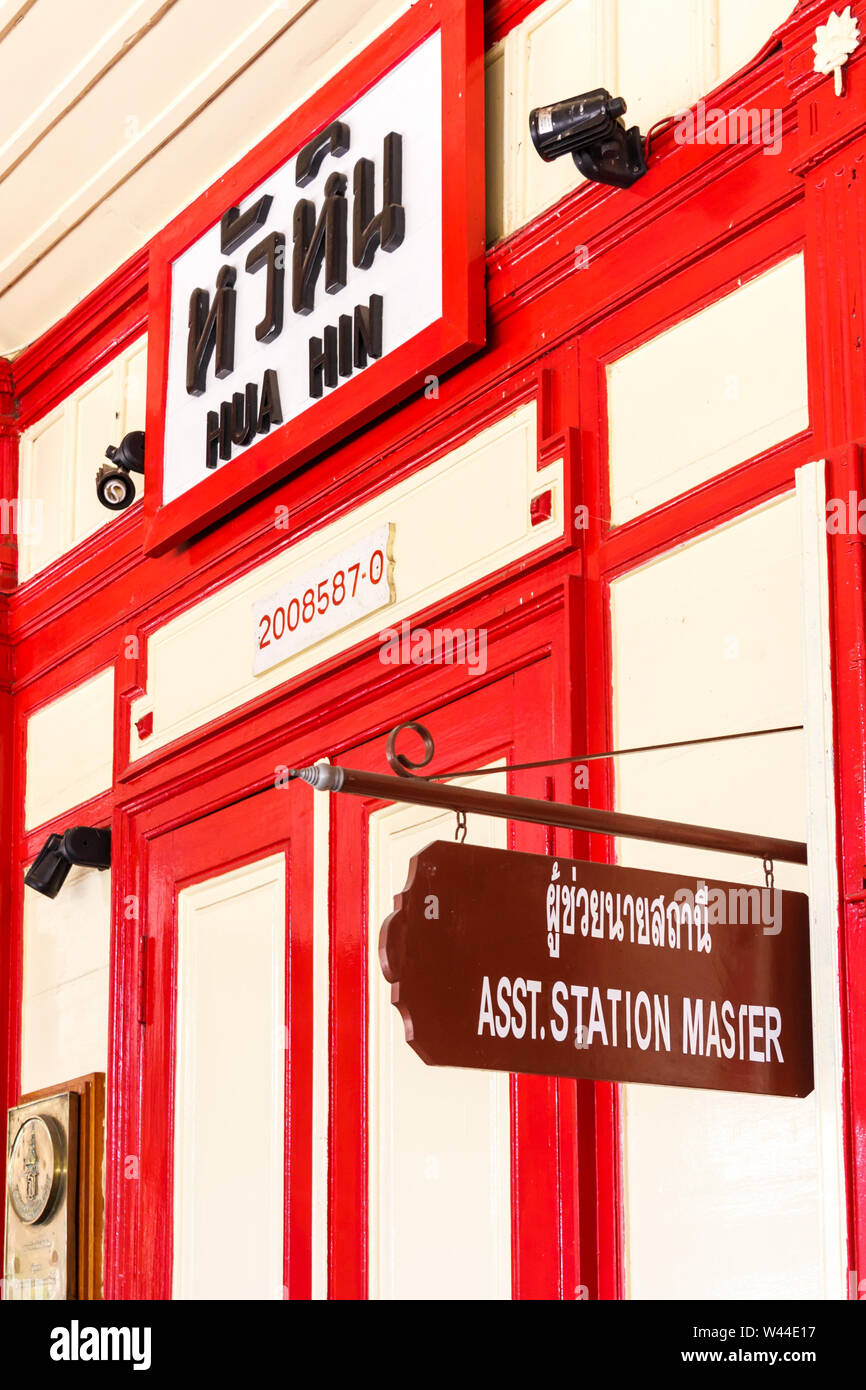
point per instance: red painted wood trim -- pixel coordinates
(9, 524)
(9, 934)
(832, 163)
(835, 282)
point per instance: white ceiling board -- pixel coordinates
(139, 102)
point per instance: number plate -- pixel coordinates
(325, 600)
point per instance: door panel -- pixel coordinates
(439, 1177)
(230, 1082)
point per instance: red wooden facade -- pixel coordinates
(702, 220)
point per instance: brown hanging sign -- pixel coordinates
(523, 963)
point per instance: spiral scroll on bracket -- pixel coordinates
(398, 761)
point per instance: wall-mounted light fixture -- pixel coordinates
(590, 128)
(81, 844)
(114, 487)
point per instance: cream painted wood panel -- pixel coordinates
(229, 1086)
(45, 494)
(823, 865)
(710, 393)
(61, 454)
(70, 749)
(495, 104)
(660, 57)
(64, 1017)
(685, 54)
(746, 24)
(563, 48)
(200, 664)
(725, 1195)
(439, 1155)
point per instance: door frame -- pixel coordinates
(559, 1205)
(172, 857)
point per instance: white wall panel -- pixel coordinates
(64, 1020)
(439, 1155)
(711, 392)
(70, 749)
(684, 62)
(229, 1088)
(462, 517)
(61, 454)
(44, 494)
(823, 865)
(494, 135)
(745, 26)
(725, 1195)
(564, 47)
(660, 57)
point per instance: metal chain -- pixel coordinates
(460, 832)
(768, 874)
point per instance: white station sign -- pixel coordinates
(324, 278)
(329, 265)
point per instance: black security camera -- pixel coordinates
(114, 487)
(590, 128)
(81, 844)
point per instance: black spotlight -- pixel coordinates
(114, 487)
(82, 844)
(591, 130)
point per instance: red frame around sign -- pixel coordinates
(439, 346)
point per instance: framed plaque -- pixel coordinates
(41, 1191)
